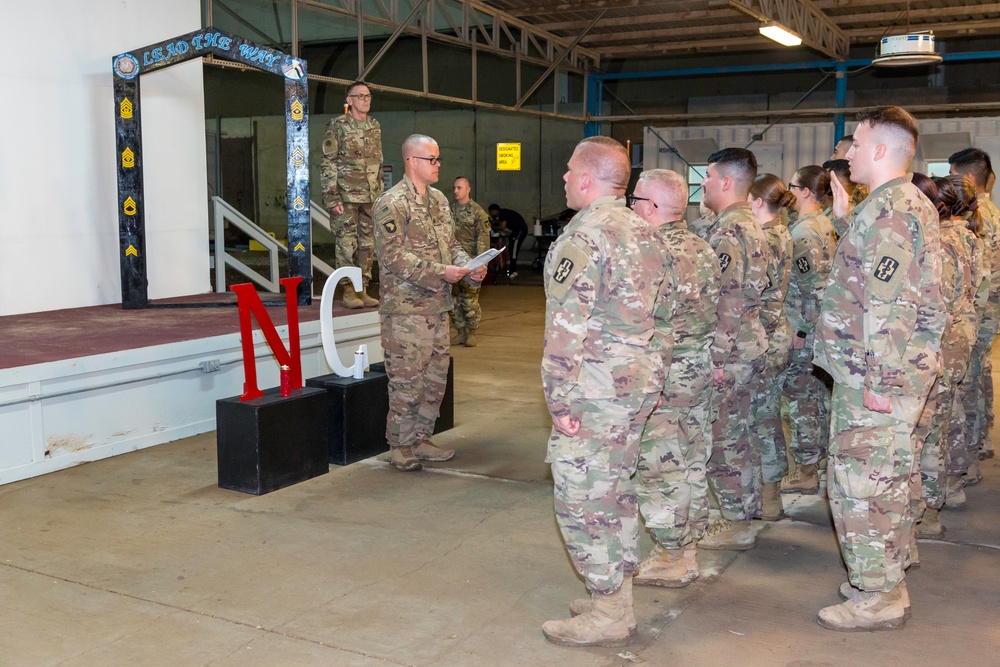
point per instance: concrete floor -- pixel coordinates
(143, 560)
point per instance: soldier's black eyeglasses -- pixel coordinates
(630, 201)
(796, 186)
(363, 98)
(433, 160)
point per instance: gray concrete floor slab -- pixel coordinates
(142, 559)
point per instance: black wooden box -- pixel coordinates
(271, 442)
(356, 414)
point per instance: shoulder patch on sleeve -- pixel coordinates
(889, 269)
(726, 251)
(570, 263)
(802, 264)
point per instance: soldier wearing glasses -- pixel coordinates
(351, 179)
(419, 259)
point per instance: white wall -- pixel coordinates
(58, 193)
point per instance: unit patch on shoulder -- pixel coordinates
(390, 226)
(889, 271)
(724, 261)
(802, 264)
(570, 263)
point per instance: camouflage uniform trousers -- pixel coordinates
(595, 502)
(939, 437)
(869, 476)
(467, 312)
(766, 428)
(806, 392)
(977, 394)
(670, 480)
(734, 466)
(416, 351)
(355, 235)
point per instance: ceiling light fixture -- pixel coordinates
(780, 34)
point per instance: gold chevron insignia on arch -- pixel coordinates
(131, 251)
(298, 157)
(129, 206)
(296, 110)
(125, 108)
(128, 158)
(299, 247)
(299, 204)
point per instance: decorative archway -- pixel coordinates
(128, 68)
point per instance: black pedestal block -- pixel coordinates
(446, 418)
(356, 414)
(271, 442)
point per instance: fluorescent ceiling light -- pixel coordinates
(780, 34)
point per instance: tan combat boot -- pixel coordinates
(848, 592)
(930, 526)
(368, 301)
(729, 535)
(973, 475)
(351, 299)
(603, 625)
(460, 337)
(428, 451)
(804, 480)
(954, 496)
(865, 611)
(773, 510)
(470, 338)
(670, 568)
(402, 458)
(583, 606)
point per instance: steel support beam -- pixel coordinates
(417, 8)
(558, 60)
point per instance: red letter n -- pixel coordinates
(249, 302)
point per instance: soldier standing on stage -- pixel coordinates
(351, 179)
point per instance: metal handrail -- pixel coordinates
(222, 212)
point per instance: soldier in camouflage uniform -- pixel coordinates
(879, 337)
(960, 279)
(769, 201)
(472, 229)
(351, 179)
(734, 471)
(806, 389)
(977, 389)
(601, 378)
(671, 480)
(420, 259)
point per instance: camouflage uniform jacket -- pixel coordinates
(701, 226)
(958, 291)
(991, 234)
(351, 168)
(840, 225)
(882, 317)
(690, 315)
(779, 275)
(414, 242)
(472, 227)
(814, 243)
(742, 251)
(602, 281)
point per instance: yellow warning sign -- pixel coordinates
(129, 206)
(509, 157)
(131, 251)
(128, 158)
(125, 108)
(299, 247)
(296, 110)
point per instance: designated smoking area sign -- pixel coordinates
(509, 157)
